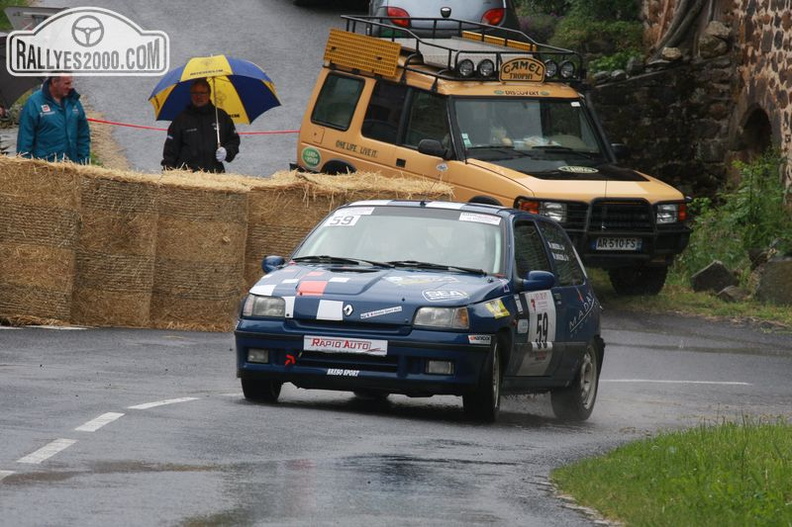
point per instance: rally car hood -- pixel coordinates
(371, 295)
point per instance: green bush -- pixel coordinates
(597, 36)
(750, 217)
(617, 61)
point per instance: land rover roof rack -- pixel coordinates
(455, 49)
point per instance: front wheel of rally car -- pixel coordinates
(576, 401)
(639, 280)
(483, 404)
(261, 391)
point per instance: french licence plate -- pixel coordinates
(617, 244)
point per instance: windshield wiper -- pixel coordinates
(440, 267)
(564, 149)
(327, 259)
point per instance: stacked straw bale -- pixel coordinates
(198, 272)
(116, 249)
(39, 222)
(101, 247)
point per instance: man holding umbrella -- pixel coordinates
(202, 136)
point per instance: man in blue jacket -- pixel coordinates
(53, 125)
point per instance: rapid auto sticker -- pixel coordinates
(345, 345)
(381, 312)
(343, 373)
(497, 309)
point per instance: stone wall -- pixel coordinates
(724, 95)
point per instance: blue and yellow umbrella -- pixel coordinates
(239, 87)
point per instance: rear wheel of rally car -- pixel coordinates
(638, 280)
(576, 401)
(484, 403)
(261, 391)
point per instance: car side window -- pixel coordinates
(428, 119)
(384, 112)
(337, 101)
(529, 250)
(567, 264)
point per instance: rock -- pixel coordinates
(618, 75)
(715, 277)
(775, 282)
(671, 54)
(711, 47)
(718, 29)
(635, 66)
(733, 293)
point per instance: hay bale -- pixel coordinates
(198, 271)
(116, 250)
(39, 223)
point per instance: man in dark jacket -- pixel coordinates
(192, 142)
(53, 125)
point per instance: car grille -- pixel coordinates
(611, 216)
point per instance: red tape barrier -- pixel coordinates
(128, 125)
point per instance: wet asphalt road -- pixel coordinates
(150, 428)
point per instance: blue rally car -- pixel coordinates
(425, 298)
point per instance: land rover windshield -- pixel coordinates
(529, 135)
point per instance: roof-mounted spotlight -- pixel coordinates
(465, 68)
(567, 69)
(551, 68)
(486, 68)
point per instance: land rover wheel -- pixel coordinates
(261, 391)
(638, 280)
(576, 401)
(483, 404)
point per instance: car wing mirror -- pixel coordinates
(432, 147)
(538, 280)
(270, 263)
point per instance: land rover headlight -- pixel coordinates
(466, 68)
(670, 213)
(264, 306)
(551, 68)
(567, 70)
(442, 318)
(554, 210)
(486, 68)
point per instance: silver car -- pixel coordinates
(408, 13)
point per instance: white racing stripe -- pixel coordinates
(95, 424)
(47, 451)
(146, 406)
(655, 381)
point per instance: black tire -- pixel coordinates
(639, 280)
(484, 403)
(261, 391)
(576, 401)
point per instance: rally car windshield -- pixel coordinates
(534, 134)
(449, 240)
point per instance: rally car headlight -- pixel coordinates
(442, 317)
(264, 306)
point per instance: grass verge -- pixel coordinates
(733, 474)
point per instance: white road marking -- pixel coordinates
(655, 381)
(60, 328)
(146, 406)
(95, 424)
(47, 451)
(5, 473)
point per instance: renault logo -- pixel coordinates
(348, 309)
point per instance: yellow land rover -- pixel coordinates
(502, 119)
